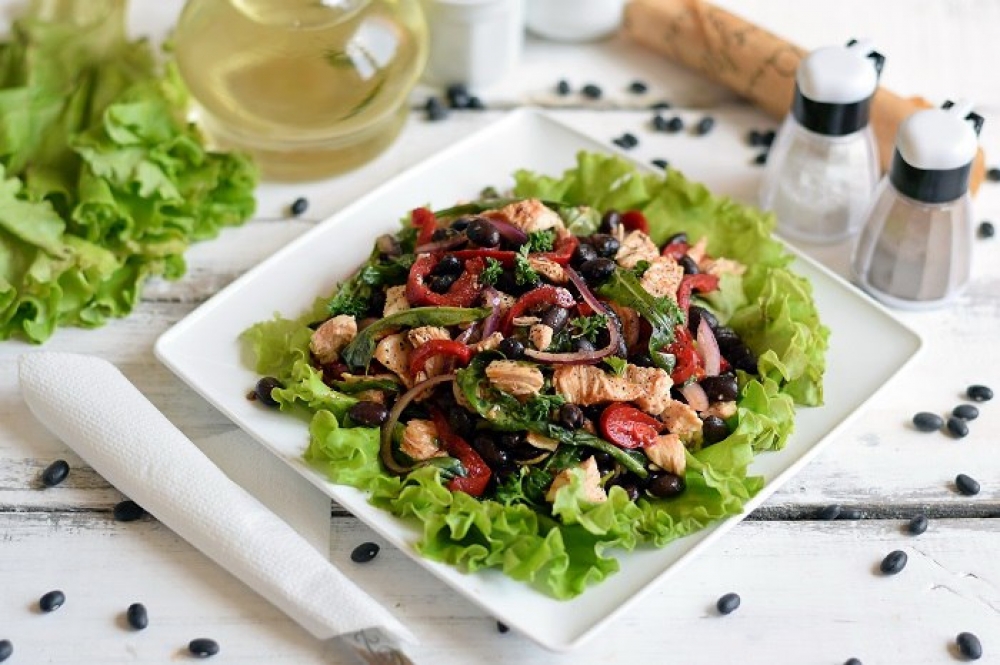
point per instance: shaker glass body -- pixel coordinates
(819, 186)
(913, 254)
(308, 88)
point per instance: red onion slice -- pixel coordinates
(441, 245)
(385, 450)
(582, 357)
(708, 349)
(695, 396)
(492, 322)
(508, 231)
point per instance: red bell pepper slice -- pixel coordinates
(702, 282)
(676, 250)
(688, 361)
(563, 250)
(438, 347)
(463, 293)
(543, 295)
(502, 255)
(633, 220)
(477, 472)
(628, 427)
(424, 220)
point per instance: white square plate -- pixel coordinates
(867, 347)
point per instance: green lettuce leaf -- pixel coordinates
(103, 182)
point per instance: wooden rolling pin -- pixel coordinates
(752, 62)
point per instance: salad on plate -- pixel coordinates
(587, 363)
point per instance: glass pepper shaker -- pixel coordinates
(824, 163)
(915, 250)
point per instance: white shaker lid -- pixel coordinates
(938, 139)
(839, 74)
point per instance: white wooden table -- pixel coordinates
(810, 589)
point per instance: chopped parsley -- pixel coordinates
(616, 364)
(492, 272)
(541, 241)
(523, 272)
(581, 327)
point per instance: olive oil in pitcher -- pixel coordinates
(308, 87)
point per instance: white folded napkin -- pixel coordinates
(96, 411)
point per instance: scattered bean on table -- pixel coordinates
(563, 88)
(51, 601)
(917, 525)
(965, 412)
(592, 91)
(969, 646)
(502, 627)
(979, 393)
(986, 229)
(893, 563)
(928, 422)
(830, 512)
(851, 514)
(852, 661)
(638, 87)
(299, 206)
(128, 511)
(993, 174)
(728, 603)
(203, 647)
(6, 650)
(958, 427)
(660, 163)
(760, 159)
(966, 485)
(137, 616)
(704, 125)
(55, 473)
(364, 552)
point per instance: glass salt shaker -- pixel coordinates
(824, 165)
(915, 250)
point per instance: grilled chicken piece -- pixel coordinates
(654, 386)
(720, 267)
(515, 378)
(488, 344)
(540, 336)
(529, 215)
(420, 336)
(420, 441)
(663, 277)
(668, 453)
(330, 338)
(637, 246)
(548, 269)
(723, 410)
(395, 300)
(586, 385)
(683, 421)
(592, 489)
(393, 351)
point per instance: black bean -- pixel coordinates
(755, 138)
(728, 603)
(441, 283)
(368, 414)
(582, 344)
(628, 485)
(969, 646)
(986, 229)
(704, 125)
(563, 88)
(364, 552)
(979, 393)
(511, 440)
(483, 233)
(556, 318)
(512, 348)
(660, 163)
(203, 647)
(661, 105)
(928, 422)
(458, 96)
(853, 661)
(660, 123)
(830, 512)
(475, 103)
(993, 174)
(494, 456)
(638, 87)
(610, 221)
(768, 137)
(55, 473)
(137, 616)
(958, 427)
(461, 421)
(965, 412)
(299, 206)
(850, 514)
(605, 245)
(621, 143)
(128, 511)
(677, 237)
(689, 265)
(713, 430)
(966, 485)
(592, 91)
(631, 140)
(696, 314)
(893, 563)
(760, 159)
(605, 463)
(584, 253)
(443, 234)
(917, 525)
(721, 388)
(263, 390)
(597, 270)
(449, 265)
(51, 601)
(675, 124)
(571, 416)
(741, 357)
(6, 650)
(435, 109)
(666, 485)
(502, 627)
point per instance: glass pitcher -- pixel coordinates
(310, 88)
